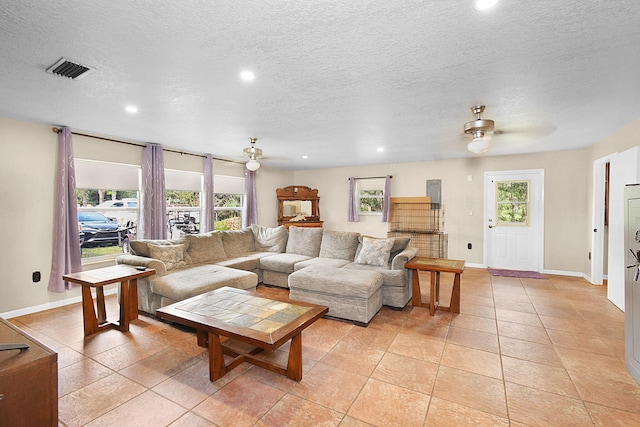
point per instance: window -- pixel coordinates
(184, 208)
(107, 198)
(512, 202)
(370, 195)
(229, 202)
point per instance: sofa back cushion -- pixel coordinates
(171, 255)
(140, 247)
(399, 245)
(238, 242)
(304, 241)
(205, 247)
(270, 239)
(339, 244)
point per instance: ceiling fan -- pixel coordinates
(479, 128)
(253, 153)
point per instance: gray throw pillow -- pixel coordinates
(205, 247)
(270, 239)
(339, 244)
(171, 255)
(374, 251)
(304, 241)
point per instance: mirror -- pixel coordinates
(295, 207)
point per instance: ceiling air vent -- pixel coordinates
(69, 69)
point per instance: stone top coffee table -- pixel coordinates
(264, 323)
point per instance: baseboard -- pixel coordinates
(565, 273)
(50, 305)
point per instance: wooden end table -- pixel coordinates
(127, 276)
(435, 266)
(247, 317)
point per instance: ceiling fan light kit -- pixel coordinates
(478, 128)
(253, 153)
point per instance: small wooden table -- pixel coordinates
(435, 266)
(128, 277)
(248, 317)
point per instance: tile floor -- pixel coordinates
(522, 352)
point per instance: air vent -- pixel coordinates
(69, 69)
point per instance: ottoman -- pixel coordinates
(353, 295)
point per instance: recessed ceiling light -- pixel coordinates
(305, 157)
(131, 109)
(247, 76)
(380, 149)
(484, 4)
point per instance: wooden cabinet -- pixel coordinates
(297, 201)
(421, 221)
(28, 381)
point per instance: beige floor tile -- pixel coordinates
(539, 408)
(191, 420)
(189, 387)
(472, 360)
(443, 413)
(418, 346)
(354, 357)
(604, 416)
(472, 390)
(577, 326)
(473, 339)
(80, 374)
(475, 323)
(402, 407)
(414, 374)
(523, 332)
(295, 411)
(526, 350)
(514, 316)
(624, 395)
(478, 310)
(158, 367)
(535, 375)
(242, 402)
(147, 408)
(586, 343)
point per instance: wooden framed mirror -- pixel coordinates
(299, 206)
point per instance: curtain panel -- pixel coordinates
(386, 199)
(208, 221)
(251, 205)
(66, 256)
(354, 215)
(153, 216)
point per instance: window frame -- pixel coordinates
(371, 185)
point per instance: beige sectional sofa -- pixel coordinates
(198, 263)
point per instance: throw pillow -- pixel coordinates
(205, 247)
(374, 251)
(238, 242)
(270, 239)
(339, 244)
(171, 255)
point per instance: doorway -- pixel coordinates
(514, 219)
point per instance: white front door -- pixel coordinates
(514, 220)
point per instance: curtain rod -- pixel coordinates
(372, 177)
(57, 130)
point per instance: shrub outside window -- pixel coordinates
(370, 196)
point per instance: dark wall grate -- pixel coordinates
(69, 69)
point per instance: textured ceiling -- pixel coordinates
(335, 79)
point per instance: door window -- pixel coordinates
(512, 202)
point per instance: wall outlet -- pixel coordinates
(36, 276)
(469, 246)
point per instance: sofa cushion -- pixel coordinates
(171, 255)
(140, 247)
(304, 241)
(270, 239)
(324, 262)
(393, 278)
(238, 242)
(281, 263)
(374, 251)
(399, 245)
(336, 281)
(247, 262)
(339, 244)
(198, 279)
(205, 247)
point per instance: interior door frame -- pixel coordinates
(597, 237)
(540, 177)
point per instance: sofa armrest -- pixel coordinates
(136, 260)
(398, 262)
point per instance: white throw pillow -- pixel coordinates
(375, 251)
(171, 255)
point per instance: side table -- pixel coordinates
(435, 266)
(128, 277)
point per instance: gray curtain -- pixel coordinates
(354, 216)
(153, 216)
(66, 241)
(386, 200)
(208, 221)
(251, 204)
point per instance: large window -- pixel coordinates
(108, 212)
(229, 202)
(370, 195)
(184, 207)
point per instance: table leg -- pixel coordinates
(88, 312)
(216, 358)
(102, 312)
(125, 301)
(133, 299)
(437, 289)
(454, 307)
(432, 294)
(416, 298)
(294, 365)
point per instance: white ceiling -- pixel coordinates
(335, 79)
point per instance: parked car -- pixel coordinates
(124, 210)
(98, 230)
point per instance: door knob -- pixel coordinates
(490, 226)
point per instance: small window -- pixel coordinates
(370, 196)
(228, 211)
(512, 199)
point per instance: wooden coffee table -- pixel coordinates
(436, 266)
(247, 317)
(127, 276)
